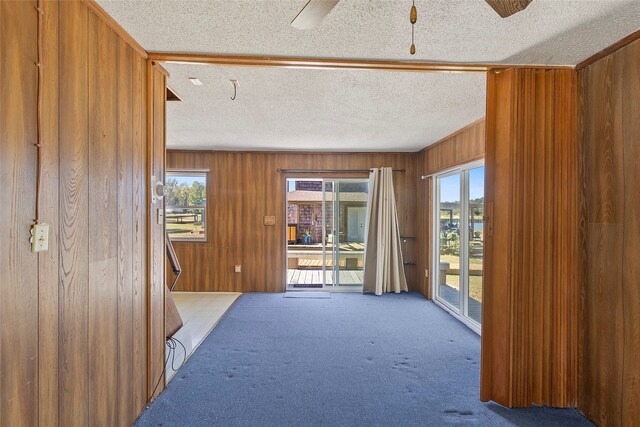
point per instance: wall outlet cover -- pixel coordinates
(39, 237)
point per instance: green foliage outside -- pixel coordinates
(183, 195)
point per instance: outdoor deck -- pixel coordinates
(307, 277)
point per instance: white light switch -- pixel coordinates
(39, 237)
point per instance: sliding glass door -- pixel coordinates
(458, 241)
(349, 236)
(326, 232)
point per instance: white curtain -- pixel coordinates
(383, 264)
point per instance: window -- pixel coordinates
(185, 205)
(459, 242)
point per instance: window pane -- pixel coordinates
(449, 240)
(185, 205)
(476, 242)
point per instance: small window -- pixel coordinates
(186, 205)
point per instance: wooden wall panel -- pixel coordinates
(125, 220)
(139, 256)
(610, 342)
(463, 146)
(156, 78)
(48, 263)
(74, 215)
(242, 188)
(19, 278)
(73, 346)
(533, 264)
(103, 221)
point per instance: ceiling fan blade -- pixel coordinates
(506, 8)
(312, 13)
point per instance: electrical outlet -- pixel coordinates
(238, 268)
(39, 237)
(426, 272)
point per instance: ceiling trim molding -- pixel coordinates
(160, 68)
(609, 50)
(333, 64)
(314, 63)
(113, 24)
(288, 152)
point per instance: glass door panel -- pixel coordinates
(351, 214)
(459, 242)
(306, 255)
(330, 188)
(325, 232)
(474, 272)
(448, 224)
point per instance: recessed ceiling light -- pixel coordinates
(195, 81)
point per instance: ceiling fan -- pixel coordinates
(315, 11)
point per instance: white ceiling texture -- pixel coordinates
(352, 110)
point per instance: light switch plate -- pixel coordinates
(238, 269)
(269, 220)
(39, 237)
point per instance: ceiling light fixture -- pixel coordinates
(195, 81)
(413, 17)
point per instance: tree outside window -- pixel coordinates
(185, 205)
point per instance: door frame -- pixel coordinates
(335, 266)
(464, 243)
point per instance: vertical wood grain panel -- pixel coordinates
(125, 221)
(631, 250)
(19, 279)
(103, 222)
(48, 362)
(609, 380)
(242, 188)
(74, 216)
(463, 146)
(532, 244)
(139, 253)
(604, 177)
(494, 382)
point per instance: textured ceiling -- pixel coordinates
(551, 32)
(287, 109)
(318, 110)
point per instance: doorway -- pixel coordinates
(459, 242)
(326, 225)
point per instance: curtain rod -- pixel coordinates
(331, 170)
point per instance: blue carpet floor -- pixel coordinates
(352, 360)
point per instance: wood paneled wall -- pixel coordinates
(73, 342)
(157, 83)
(610, 342)
(19, 267)
(463, 146)
(241, 189)
(532, 268)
